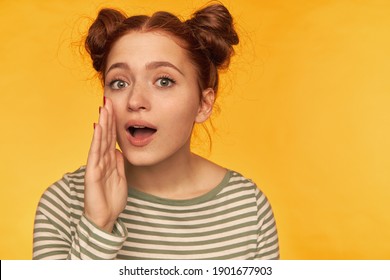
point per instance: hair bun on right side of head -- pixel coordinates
(99, 35)
(213, 26)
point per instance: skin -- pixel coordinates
(149, 80)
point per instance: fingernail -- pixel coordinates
(94, 125)
(100, 109)
(104, 100)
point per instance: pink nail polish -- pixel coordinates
(104, 100)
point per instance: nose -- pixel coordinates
(138, 99)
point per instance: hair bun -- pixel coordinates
(213, 27)
(99, 34)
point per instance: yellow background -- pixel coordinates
(305, 112)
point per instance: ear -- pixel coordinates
(206, 105)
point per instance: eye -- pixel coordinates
(118, 84)
(165, 82)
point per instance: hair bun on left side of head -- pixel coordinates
(99, 35)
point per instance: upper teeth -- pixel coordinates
(139, 126)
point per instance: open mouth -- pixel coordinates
(141, 132)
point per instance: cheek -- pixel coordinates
(185, 111)
(117, 108)
(118, 118)
(183, 121)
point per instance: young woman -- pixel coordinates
(155, 199)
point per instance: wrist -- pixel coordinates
(106, 226)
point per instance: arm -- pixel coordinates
(267, 240)
(61, 231)
(66, 229)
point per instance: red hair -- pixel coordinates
(208, 36)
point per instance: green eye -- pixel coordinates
(118, 84)
(165, 82)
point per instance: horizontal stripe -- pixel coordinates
(186, 234)
(226, 205)
(215, 217)
(232, 221)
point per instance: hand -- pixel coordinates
(105, 194)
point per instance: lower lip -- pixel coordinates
(139, 142)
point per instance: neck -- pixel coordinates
(171, 178)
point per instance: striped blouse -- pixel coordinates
(232, 221)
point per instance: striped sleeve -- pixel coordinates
(92, 243)
(61, 231)
(267, 240)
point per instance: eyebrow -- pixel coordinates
(150, 65)
(121, 65)
(157, 64)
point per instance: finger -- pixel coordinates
(110, 154)
(113, 128)
(120, 163)
(94, 150)
(103, 122)
(111, 137)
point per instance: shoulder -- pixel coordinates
(240, 183)
(70, 182)
(236, 186)
(65, 193)
(76, 177)
(61, 206)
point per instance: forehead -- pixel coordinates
(142, 47)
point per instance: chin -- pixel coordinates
(141, 160)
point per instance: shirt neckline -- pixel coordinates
(134, 193)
